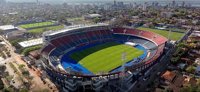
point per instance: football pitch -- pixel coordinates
(105, 57)
(173, 35)
(41, 30)
(33, 25)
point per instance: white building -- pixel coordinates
(30, 43)
(92, 16)
(7, 27)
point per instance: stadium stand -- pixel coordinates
(61, 44)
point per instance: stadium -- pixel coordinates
(99, 57)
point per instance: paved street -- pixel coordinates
(37, 84)
(141, 85)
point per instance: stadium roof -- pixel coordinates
(7, 27)
(30, 43)
(77, 27)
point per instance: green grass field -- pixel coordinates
(41, 30)
(105, 57)
(26, 26)
(174, 35)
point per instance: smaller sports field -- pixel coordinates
(173, 35)
(105, 57)
(41, 30)
(33, 25)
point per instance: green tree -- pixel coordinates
(29, 49)
(8, 89)
(23, 90)
(175, 60)
(1, 84)
(96, 20)
(190, 89)
(21, 66)
(190, 69)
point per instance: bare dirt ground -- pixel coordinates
(37, 84)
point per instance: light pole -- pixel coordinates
(124, 54)
(169, 33)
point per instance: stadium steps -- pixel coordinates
(70, 83)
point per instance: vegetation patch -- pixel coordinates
(41, 30)
(25, 51)
(33, 25)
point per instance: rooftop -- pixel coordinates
(168, 75)
(30, 43)
(94, 15)
(69, 28)
(7, 27)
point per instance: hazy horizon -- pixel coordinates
(96, 1)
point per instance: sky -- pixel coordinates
(87, 1)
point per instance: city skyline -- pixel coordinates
(88, 1)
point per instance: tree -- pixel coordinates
(175, 60)
(21, 66)
(190, 69)
(23, 90)
(26, 73)
(190, 89)
(1, 84)
(198, 81)
(96, 20)
(192, 45)
(29, 49)
(8, 89)
(2, 71)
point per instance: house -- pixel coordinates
(28, 60)
(34, 54)
(169, 76)
(174, 80)
(92, 16)
(189, 80)
(197, 70)
(30, 43)
(181, 66)
(197, 61)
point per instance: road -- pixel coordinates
(37, 84)
(160, 66)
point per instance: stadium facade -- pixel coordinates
(57, 44)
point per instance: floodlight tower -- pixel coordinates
(123, 82)
(124, 54)
(169, 35)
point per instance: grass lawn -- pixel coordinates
(174, 35)
(75, 19)
(40, 24)
(41, 30)
(105, 57)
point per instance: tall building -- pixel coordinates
(173, 4)
(115, 3)
(144, 7)
(2, 1)
(183, 4)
